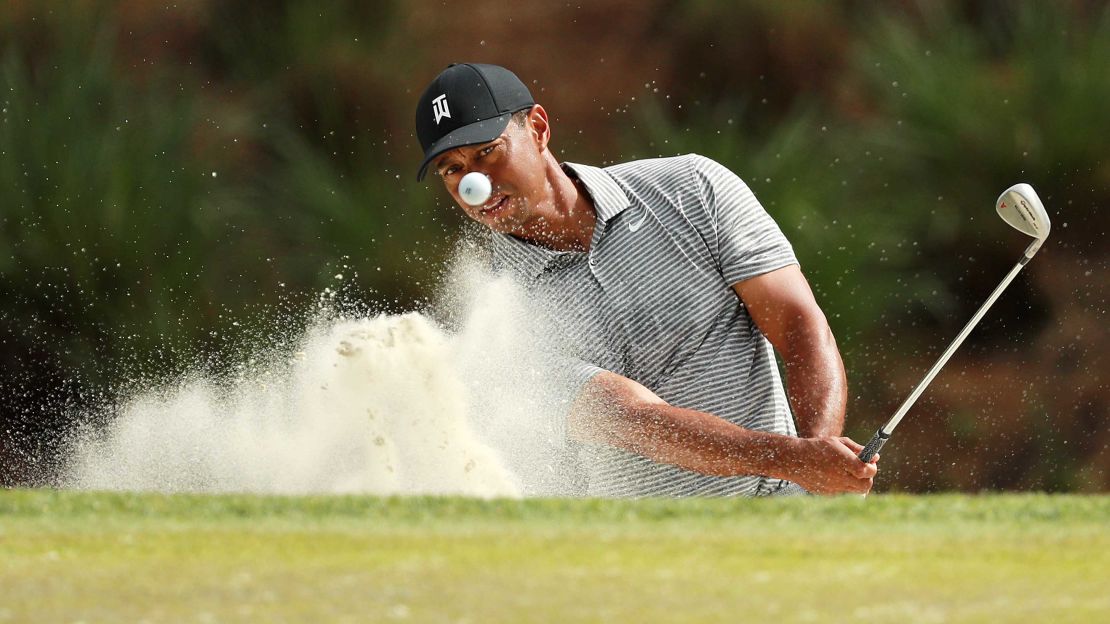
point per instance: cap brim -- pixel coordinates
(478, 132)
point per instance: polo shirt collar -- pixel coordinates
(609, 201)
(609, 198)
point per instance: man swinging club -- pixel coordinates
(673, 288)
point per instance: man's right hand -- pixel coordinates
(831, 466)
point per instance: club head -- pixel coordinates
(1021, 208)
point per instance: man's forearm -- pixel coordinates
(815, 381)
(617, 411)
(686, 438)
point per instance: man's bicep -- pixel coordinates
(595, 414)
(779, 301)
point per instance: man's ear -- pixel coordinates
(538, 127)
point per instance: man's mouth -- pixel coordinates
(494, 205)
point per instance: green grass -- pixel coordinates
(68, 556)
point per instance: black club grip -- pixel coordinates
(876, 443)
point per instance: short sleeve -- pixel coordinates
(746, 240)
(569, 376)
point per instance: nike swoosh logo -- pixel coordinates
(632, 227)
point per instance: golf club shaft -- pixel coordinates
(884, 432)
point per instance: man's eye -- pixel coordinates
(487, 150)
(450, 170)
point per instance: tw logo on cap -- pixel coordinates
(439, 107)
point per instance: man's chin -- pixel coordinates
(506, 223)
(503, 226)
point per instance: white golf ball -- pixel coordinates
(475, 188)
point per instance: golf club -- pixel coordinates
(1020, 207)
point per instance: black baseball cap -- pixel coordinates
(467, 104)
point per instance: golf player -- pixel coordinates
(673, 289)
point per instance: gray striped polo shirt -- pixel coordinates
(652, 300)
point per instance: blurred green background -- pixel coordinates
(182, 183)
